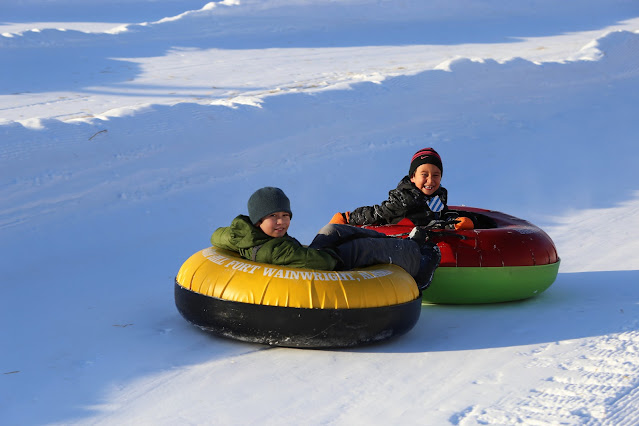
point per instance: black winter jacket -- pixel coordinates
(405, 201)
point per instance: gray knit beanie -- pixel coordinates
(267, 200)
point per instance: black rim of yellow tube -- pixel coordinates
(221, 292)
(296, 327)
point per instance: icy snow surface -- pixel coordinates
(131, 129)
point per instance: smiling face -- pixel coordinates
(427, 178)
(276, 224)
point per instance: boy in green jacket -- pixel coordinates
(262, 237)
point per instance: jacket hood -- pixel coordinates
(245, 235)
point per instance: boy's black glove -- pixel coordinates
(442, 224)
(419, 234)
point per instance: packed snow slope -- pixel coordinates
(131, 129)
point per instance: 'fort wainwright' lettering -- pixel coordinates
(293, 274)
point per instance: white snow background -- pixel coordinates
(131, 129)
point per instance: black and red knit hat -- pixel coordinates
(425, 156)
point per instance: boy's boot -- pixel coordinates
(431, 256)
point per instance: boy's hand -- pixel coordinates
(437, 224)
(464, 223)
(340, 218)
(457, 224)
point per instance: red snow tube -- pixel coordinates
(504, 258)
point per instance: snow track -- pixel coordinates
(598, 384)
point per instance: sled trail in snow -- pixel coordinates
(597, 386)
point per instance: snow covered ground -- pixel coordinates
(131, 129)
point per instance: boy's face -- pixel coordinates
(276, 224)
(427, 178)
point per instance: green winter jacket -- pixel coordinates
(253, 244)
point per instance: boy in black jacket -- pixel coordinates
(419, 197)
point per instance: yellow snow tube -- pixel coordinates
(225, 275)
(219, 291)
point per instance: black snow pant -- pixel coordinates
(359, 247)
